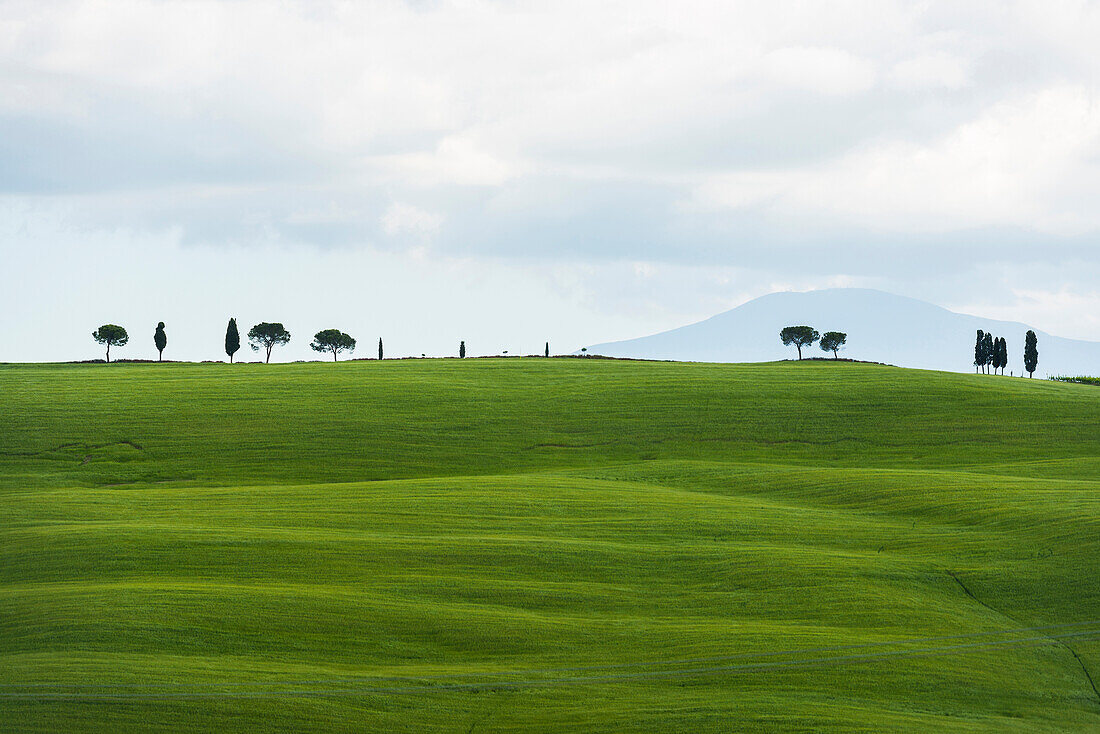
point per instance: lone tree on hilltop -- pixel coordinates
(462, 350)
(267, 336)
(161, 340)
(380, 348)
(112, 335)
(332, 340)
(547, 352)
(232, 339)
(979, 351)
(831, 341)
(1031, 352)
(799, 336)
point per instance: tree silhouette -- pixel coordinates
(380, 348)
(232, 339)
(1031, 352)
(160, 339)
(267, 336)
(112, 335)
(987, 350)
(799, 336)
(979, 351)
(332, 340)
(547, 352)
(462, 350)
(831, 341)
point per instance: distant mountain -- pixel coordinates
(881, 327)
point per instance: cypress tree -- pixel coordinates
(547, 352)
(987, 350)
(380, 348)
(979, 351)
(1031, 352)
(462, 350)
(232, 339)
(161, 340)
(1004, 354)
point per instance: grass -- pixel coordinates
(532, 545)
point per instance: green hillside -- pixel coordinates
(546, 545)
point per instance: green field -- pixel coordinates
(546, 545)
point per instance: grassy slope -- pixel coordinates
(195, 535)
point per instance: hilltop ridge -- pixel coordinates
(881, 327)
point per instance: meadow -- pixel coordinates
(523, 545)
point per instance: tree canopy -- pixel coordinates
(831, 341)
(112, 335)
(160, 339)
(799, 336)
(1031, 353)
(332, 340)
(267, 336)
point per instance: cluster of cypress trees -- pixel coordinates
(991, 351)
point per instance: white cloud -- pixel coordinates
(830, 71)
(931, 70)
(455, 160)
(1029, 161)
(402, 218)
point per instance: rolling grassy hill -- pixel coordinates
(532, 545)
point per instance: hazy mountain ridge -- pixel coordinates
(881, 327)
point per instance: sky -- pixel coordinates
(511, 173)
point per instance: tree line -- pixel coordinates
(992, 352)
(263, 336)
(804, 336)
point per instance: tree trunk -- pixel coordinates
(333, 355)
(267, 359)
(799, 352)
(835, 355)
(108, 352)
(160, 356)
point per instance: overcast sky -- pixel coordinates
(514, 172)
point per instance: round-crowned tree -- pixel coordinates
(160, 339)
(332, 340)
(112, 335)
(831, 341)
(266, 336)
(798, 336)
